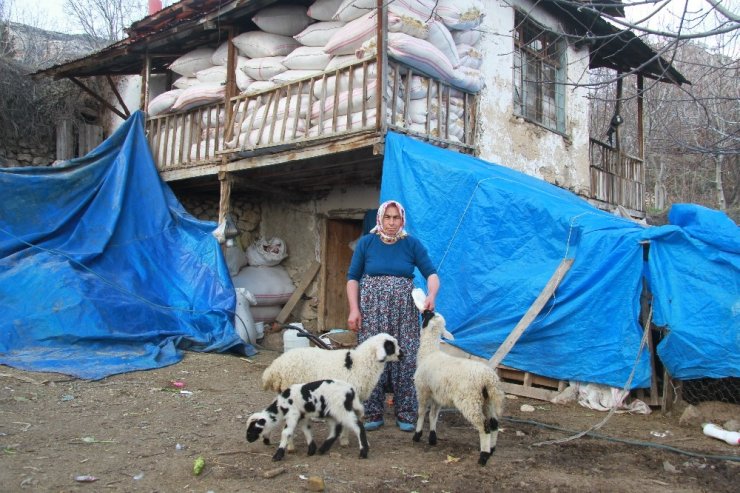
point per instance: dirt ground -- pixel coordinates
(138, 432)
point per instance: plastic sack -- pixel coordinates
(268, 252)
(235, 258)
(243, 321)
(269, 285)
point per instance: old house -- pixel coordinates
(279, 110)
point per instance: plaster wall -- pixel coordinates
(511, 141)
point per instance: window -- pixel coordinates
(539, 74)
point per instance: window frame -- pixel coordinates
(538, 50)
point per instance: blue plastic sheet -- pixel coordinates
(498, 236)
(694, 269)
(101, 269)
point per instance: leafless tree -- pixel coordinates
(104, 21)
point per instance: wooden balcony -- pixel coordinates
(616, 178)
(336, 106)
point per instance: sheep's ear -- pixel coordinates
(448, 335)
(419, 298)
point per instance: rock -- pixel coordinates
(732, 425)
(668, 467)
(690, 417)
(315, 483)
(526, 408)
(273, 472)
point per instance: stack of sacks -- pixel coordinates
(265, 278)
(429, 45)
(270, 121)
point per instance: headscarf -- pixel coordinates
(378, 229)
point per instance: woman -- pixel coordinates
(379, 284)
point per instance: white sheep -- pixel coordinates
(334, 400)
(443, 380)
(361, 367)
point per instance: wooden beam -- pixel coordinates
(101, 99)
(533, 311)
(118, 95)
(293, 300)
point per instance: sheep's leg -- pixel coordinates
(355, 424)
(343, 438)
(484, 426)
(286, 436)
(422, 395)
(434, 409)
(309, 436)
(335, 430)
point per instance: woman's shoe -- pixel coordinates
(404, 426)
(373, 425)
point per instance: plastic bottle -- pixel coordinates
(714, 431)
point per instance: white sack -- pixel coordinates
(460, 14)
(199, 95)
(264, 68)
(323, 10)
(163, 102)
(285, 20)
(318, 34)
(270, 285)
(191, 62)
(307, 58)
(259, 44)
(185, 82)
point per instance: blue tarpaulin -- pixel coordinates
(498, 236)
(101, 269)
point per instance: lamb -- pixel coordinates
(444, 380)
(334, 400)
(361, 367)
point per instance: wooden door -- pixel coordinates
(336, 256)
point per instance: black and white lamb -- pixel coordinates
(334, 400)
(361, 367)
(443, 380)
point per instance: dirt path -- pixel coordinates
(136, 432)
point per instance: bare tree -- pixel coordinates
(105, 21)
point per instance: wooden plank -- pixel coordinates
(293, 300)
(533, 311)
(531, 392)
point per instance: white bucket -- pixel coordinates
(291, 340)
(260, 328)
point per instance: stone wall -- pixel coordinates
(246, 214)
(23, 153)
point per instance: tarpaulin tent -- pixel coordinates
(497, 237)
(101, 269)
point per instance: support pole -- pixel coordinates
(532, 313)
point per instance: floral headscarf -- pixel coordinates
(378, 229)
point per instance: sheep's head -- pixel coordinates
(386, 347)
(434, 323)
(260, 424)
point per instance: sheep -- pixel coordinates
(334, 400)
(444, 380)
(361, 367)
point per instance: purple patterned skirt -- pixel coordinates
(386, 306)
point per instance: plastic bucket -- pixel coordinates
(291, 340)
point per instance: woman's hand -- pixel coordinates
(354, 320)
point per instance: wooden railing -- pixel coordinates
(616, 178)
(335, 104)
(189, 138)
